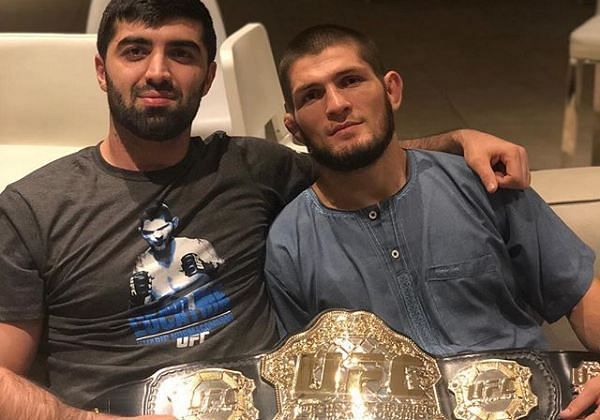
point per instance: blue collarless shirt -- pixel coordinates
(441, 261)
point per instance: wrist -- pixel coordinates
(459, 136)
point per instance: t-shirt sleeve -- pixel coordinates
(22, 296)
(284, 284)
(552, 266)
(284, 171)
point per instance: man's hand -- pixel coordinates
(497, 162)
(589, 396)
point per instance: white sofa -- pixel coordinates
(50, 102)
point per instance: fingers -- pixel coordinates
(589, 396)
(524, 165)
(516, 173)
(595, 415)
(568, 415)
(484, 170)
(483, 152)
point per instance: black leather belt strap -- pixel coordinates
(350, 365)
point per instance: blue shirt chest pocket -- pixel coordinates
(466, 300)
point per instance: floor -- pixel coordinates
(499, 66)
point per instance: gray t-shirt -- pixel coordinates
(441, 261)
(73, 252)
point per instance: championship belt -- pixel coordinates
(350, 365)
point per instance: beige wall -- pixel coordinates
(43, 15)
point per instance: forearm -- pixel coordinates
(589, 338)
(22, 400)
(449, 142)
(585, 317)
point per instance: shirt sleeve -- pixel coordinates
(284, 284)
(284, 171)
(22, 296)
(552, 266)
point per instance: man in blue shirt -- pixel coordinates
(421, 244)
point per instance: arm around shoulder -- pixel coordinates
(498, 162)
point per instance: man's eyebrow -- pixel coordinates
(138, 40)
(356, 69)
(128, 40)
(305, 87)
(185, 44)
(337, 75)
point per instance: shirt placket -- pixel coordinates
(382, 222)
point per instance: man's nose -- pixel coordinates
(158, 71)
(337, 105)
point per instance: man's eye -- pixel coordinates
(182, 55)
(351, 80)
(135, 53)
(309, 96)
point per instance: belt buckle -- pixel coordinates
(493, 389)
(189, 393)
(351, 365)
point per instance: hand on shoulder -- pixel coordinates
(499, 163)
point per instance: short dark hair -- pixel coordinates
(153, 13)
(158, 210)
(314, 40)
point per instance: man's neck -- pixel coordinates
(364, 187)
(124, 150)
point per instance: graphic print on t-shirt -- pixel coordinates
(177, 271)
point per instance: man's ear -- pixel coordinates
(210, 77)
(290, 123)
(100, 71)
(393, 84)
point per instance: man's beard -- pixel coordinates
(361, 155)
(153, 123)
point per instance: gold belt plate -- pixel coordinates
(207, 394)
(493, 389)
(350, 365)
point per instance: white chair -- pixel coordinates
(252, 85)
(50, 101)
(574, 194)
(213, 114)
(584, 48)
